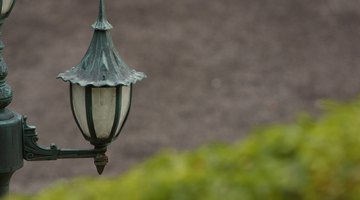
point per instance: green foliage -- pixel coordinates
(309, 159)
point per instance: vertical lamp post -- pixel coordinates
(100, 95)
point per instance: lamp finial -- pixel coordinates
(102, 23)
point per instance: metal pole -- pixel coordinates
(11, 137)
(4, 183)
(11, 151)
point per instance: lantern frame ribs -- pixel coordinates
(116, 127)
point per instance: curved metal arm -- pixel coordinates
(33, 152)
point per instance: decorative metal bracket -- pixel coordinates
(33, 152)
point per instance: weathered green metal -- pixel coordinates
(102, 65)
(5, 90)
(11, 158)
(33, 152)
(5, 182)
(18, 141)
(10, 141)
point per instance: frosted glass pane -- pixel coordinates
(103, 108)
(125, 105)
(78, 100)
(6, 6)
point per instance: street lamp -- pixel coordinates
(100, 95)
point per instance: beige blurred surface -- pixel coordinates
(215, 70)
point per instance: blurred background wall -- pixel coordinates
(215, 70)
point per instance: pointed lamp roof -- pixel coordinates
(102, 65)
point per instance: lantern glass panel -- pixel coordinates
(6, 5)
(79, 109)
(107, 116)
(125, 105)
(103, 110)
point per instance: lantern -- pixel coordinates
(100, 93)
(101, 87)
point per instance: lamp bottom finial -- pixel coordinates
(100, 162)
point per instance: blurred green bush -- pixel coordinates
(309, 159)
